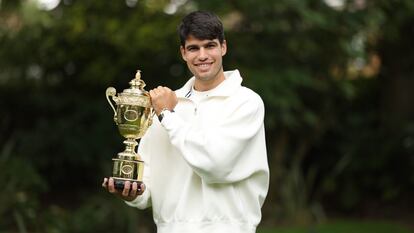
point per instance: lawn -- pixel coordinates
(342, 226)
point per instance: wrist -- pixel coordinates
(163, 113)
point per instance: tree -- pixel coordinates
(330, 79)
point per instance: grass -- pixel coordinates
(342, 226)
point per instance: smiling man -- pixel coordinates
(205, 158)
(204, 59)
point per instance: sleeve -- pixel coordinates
(144, 201)
(215, 152)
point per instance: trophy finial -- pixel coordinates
(137, 82)
(138, 74)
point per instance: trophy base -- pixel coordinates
(119, 184)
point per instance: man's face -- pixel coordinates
(204, 58)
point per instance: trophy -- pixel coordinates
(133, 115)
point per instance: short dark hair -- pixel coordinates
(202, 25)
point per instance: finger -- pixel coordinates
(163, 90)
(134, 189)
(127, 187)
(104, 183)
(111, 186)
(152, 93)
(141, 189)
(167, 89)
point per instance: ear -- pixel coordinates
(182, 50)
(223, 48)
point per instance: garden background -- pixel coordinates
(336, 77)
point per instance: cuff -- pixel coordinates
(140, 202)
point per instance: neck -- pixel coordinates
(206, 85)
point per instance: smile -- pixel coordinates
(203, 64)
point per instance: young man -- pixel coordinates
(205, 158)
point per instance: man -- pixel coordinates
(205, 158)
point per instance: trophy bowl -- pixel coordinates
(133, 115)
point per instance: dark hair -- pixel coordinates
(202, 25)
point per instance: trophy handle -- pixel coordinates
(152, 111)
(152, 114)
(110, 91)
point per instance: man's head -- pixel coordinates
(201, 25)
(202, 48)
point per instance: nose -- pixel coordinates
(202, 54)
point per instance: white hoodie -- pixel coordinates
(206, 165)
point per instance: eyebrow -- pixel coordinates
(203, 45)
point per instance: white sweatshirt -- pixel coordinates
(206, 165)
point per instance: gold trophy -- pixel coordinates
(133, 115)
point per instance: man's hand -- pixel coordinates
(161, 98)
(130, 192)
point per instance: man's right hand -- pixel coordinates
(130, 192)
(163, 98)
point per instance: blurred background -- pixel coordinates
(336, 76)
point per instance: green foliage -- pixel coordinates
(20, 193)
(337, 137)
(55, 67)
(95, 213)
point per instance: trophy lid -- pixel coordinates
(137, 85)
(135, 95)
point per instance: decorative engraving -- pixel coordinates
(130, 115)
(127, 170)
(115, 169)
(143, 101)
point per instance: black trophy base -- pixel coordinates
(119, 184)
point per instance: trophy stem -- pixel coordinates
(129, 152)
(130, 144)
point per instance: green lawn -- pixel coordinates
(343, 227)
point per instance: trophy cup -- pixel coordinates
(133, 115)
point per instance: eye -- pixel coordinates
(192, 48)
(212, 45)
